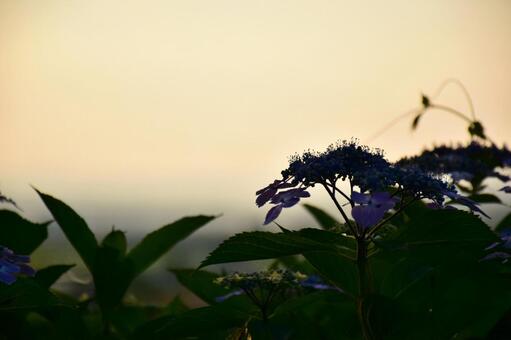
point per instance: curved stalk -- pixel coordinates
(346, 219)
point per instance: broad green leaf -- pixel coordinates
(128, 318)
(157, 243)
(19, 234)
(74, 227)
(504, 223)
(205, 321)
(200, 282)
(335, 267)
(325, 220)
(112, 276)
(319, 315)
(259, 245)
(424, 240)
(46, 277)
(25, 294)
(428, 228)
(116, 239)
(465, 299)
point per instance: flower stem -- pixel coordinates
(365, 287)
(346, 219)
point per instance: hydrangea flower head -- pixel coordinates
(256, 285)
(474, 161)
(366, 170)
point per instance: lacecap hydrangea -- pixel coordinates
(375, 185)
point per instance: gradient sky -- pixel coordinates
(138, 112)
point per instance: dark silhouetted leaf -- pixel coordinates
(46, 277)
(116, 239)
(157, 243)
(476, 129)
(340, 270)
(325, 220)
(200, 282)
(19, 234)
(205, 321)
(74, 227)
(416, 120)
(259, 245)
(25, 294)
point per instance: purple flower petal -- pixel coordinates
(265, 196)
(367, 216)
(229, 295)
(496, 255)
(459, 175)
(7, 278)
(289, 203)
(360, 198)
(464, 201)
(471, 205)
(269, 186)
(383, 200)
(506, 189)
(273, 214)
(501, 177)
(9, 267)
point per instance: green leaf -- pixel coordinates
(25, 294)
(425, 240)
(157, 243)
(176, 306)
(485, 198)
(319, 315)
(416, 120)
(200, 282)
(259, 245)
(128, 318)
(504, 223)
(335, 267)
(116, 239)
(46, 277)
(325, 220)
(74, 227)
(466, 299)
(427, 228)
(19, 234)
(205, 321)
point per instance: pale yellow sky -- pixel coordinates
(190, 106)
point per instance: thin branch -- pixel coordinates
(451, 110)
(346, 219)
(463, 89)
(341, 192)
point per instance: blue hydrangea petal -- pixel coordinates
(8, 266)
(7, 278)
(229, 295)
(273, 213)
(291, 202)
(360, 198)
(265, 196)
(367, 216)
(506, 189)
